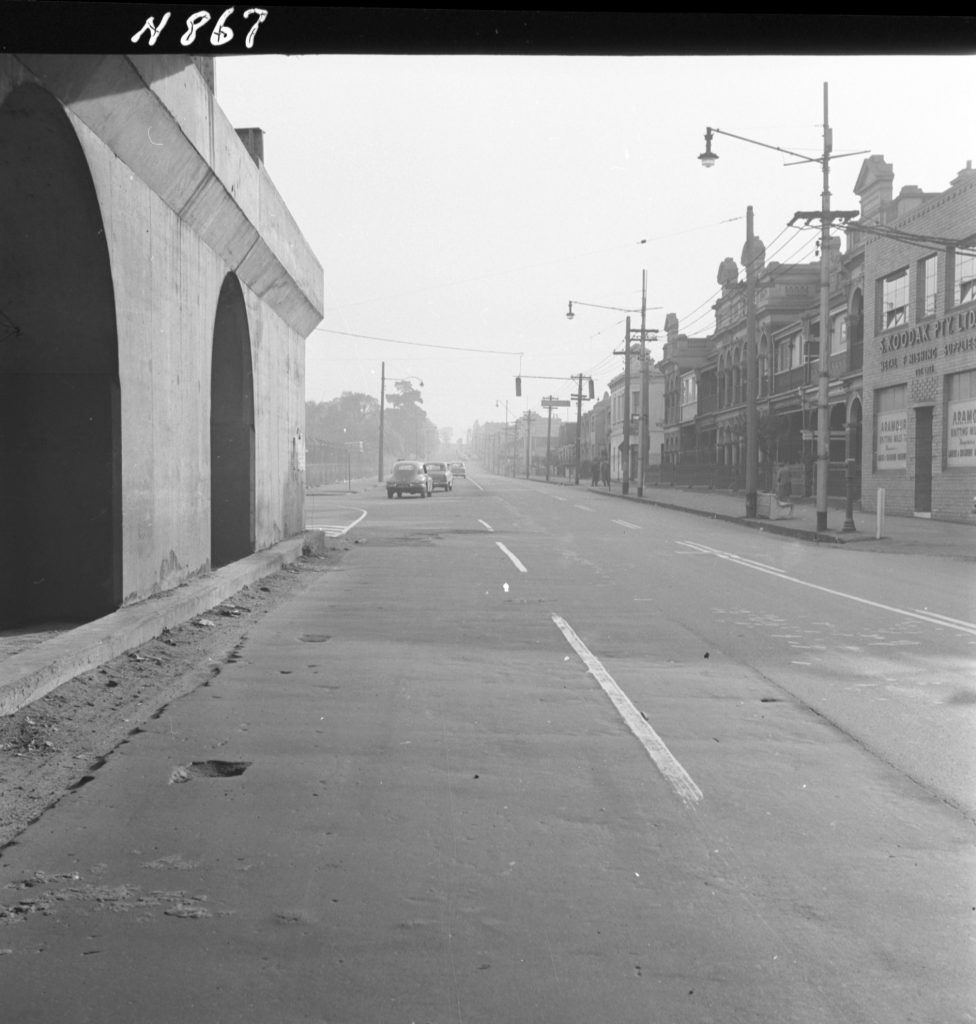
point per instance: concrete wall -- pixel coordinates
(183, 205)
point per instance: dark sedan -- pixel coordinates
(409, 477)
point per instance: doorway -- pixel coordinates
(923, 461)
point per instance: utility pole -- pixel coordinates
(382, 403)
(625, 460)
(749, 257)
(579, 424)
(644, 440)
(528, 443)
(823, 407)
(549, 436)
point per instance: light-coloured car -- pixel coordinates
(440, 475)
(458, 469)
(409, 477)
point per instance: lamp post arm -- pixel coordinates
(765, 145)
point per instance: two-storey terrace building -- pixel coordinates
(919, 442)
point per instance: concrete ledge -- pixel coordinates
(29, 675)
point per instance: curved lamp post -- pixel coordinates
(708, 159)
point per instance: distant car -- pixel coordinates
(440, 475)
(457, 468)
(409, 477)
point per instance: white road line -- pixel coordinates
(704, 550)
(583, 508)
(335, 530)
(623, 522)
(556, 497)
(475, 482)
(667, 763)
(486, 526)
(931, 617)
(518, 565)
(943, 618)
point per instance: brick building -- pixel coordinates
(919, 248)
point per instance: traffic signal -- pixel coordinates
(591, 387)
(518, 387)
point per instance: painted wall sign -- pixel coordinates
(892, 433)
(961, 420)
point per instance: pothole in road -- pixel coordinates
(208, 770)
(314, 638)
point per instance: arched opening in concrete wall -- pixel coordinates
(231, 430)
(60, 450)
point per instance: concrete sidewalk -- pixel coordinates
(900, 534)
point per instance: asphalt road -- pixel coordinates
(533, 754)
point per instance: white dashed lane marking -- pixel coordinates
(518, 565)
(667, 763)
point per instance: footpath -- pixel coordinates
(897, 534)
(29, 674)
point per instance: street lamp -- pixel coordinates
(570, 314)
(708, 159)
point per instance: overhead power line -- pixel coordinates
(419, 344)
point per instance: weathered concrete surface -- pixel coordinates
(30, 674)
(183, 208)
(441, 818)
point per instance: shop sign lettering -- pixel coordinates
(929, 332)
(892, 432)
(961, 422)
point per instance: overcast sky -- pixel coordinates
(462, 201)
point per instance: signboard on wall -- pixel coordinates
(892, 433)
(961, 419)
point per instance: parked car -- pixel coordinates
(409, 477)
(457, 468)
(440, 475)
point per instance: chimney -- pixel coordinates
(966, 174)
(253, 139)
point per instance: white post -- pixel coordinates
(880, 515)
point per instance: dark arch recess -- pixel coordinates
(60, 450)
